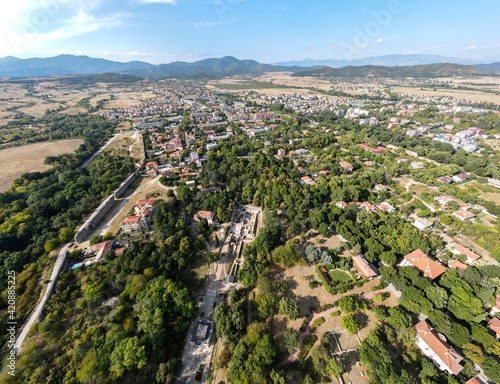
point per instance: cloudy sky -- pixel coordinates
(161, 31)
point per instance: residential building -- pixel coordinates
(386, 207)
(460, 177)
(425, 264)
(435, 347)
(444, 179)
(380, 187)
(143, 204)
(463, 215)
(363, 267)
(471, 256)
(348, 167)
(443, 200)
(496, 307)
(134, 223)
(422, 223)
(281, 152)
(456, 264)
(494, 325)
(209, 215)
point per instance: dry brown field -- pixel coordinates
(30, 158)
(456, 93)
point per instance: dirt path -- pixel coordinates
(328, 312)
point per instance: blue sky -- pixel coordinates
(161, 31)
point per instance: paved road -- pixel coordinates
(36, 315)
(89, 160)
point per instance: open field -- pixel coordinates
(486, 192)
(74, 111)
(284, 78)
(270, 84)
(30, 158)
(457, 93)
(493, 143)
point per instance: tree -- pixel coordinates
(291, 339)
(350, 324)
(347, 304)
(334, 367)
(323, 229)
(437, 295)
(289, 308)
(326, 258)
(399, 318)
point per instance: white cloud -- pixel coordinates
(80, 24)
(469, 48)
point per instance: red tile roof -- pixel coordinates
(446, 353)
(425, 264)
(467, 252)
(464, 214)
(494, 325)
(363, 267)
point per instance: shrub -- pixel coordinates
(323, 308)
(317, 323)
(304, 323)
(306, 346)
(336, 314)
(350, 324)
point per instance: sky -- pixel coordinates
(162, 31)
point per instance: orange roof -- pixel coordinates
(131, 219)
(474, 380)
(363, 267)
(457, 264)
(467, 252)
(495, 325)
(446, 353)
(425, 264)
(464, 214)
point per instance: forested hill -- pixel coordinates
(493, 67)
(422, 71)
(12, 67)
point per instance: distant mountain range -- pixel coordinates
(69, 64)
(417, 71)
(13, 67)
(387, 61)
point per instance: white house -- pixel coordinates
(435, 347)
(422, 223)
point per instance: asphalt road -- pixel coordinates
(35, 316)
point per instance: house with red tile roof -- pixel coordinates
(475, 380)
(341, 204)
(463, 215)
(496, 308)
(435, 347)
(209, 215)
(494, 325)
(425, 264)
(377, 150)
(457, 264)
(363, 267)
(444, 179)
(471, 256)
(347, 166)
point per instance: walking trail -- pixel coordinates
(295, 355)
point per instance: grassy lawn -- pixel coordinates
(339, 276)
(194, 275)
